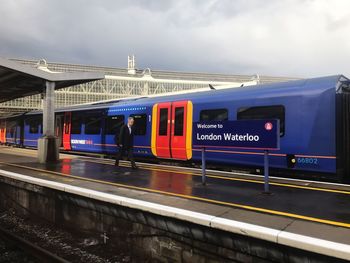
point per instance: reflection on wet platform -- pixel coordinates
(302, 203)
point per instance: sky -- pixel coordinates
(294, 38)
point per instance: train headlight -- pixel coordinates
(291, 160)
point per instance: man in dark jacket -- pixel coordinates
(126, 143)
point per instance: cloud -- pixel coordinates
(290, 38)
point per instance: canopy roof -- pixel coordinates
(19, 80)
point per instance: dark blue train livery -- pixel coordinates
(313, 113)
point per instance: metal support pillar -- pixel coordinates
(204, 177)
(48, 148)
(49, 110)
(266, 172)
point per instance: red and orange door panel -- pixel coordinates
(172, 130)
(67, 130)
(2, 135)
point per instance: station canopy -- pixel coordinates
(19, 80)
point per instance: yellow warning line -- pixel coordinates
(232, 178)
(246, 207)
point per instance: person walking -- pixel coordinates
(126, 143)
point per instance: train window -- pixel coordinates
(93, 124)
(140, 123)
(263, 112)
(13, 131)
(163, 122)
(12, 128)
(214, 115)
(179, 121)
(113, 124)
(66, 121)
(76, 124)
(34, 124)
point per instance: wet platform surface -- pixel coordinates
(296, 208)
(315, 205)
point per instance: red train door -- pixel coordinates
(172, 130)
(163, 130)
(66, 130)
(2, 135)
(178, 130)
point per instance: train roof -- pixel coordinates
(264, 90)
(267, 90)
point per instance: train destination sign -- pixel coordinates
(256, 134)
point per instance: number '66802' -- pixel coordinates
(307, 160)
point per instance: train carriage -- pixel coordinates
(313, 114)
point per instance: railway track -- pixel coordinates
(40, 254)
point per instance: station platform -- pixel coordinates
(311, 216)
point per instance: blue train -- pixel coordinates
(314, 125)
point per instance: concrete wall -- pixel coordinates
(146, 236)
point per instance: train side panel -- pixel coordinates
(308, 132)
(306, 109)
(33, 130)
(97, 131)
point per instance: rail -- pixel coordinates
(42, 255)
